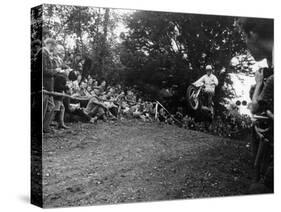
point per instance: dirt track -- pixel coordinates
(131, 161)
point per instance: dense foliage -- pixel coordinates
(172, 50)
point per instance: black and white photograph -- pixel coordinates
(137, 106)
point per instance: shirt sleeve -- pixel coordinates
(216, 80)
(46, 64)
(200, 81)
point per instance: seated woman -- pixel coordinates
(95, 110)
(81, 107)
(111, 102)
(92, 106)
(83, 90)
(75, 85)
(131, 98)
(94, 87)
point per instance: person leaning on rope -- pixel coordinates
(59, 86)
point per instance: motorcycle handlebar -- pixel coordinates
(260, 117)
(268, 115)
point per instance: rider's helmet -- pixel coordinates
(209, 69)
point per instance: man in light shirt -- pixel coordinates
(209, 81)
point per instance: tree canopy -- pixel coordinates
(145, 49)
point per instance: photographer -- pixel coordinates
(259, 40)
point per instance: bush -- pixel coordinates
(229, 124)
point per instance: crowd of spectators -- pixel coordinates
(70, 96)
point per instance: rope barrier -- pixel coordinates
(88, 98)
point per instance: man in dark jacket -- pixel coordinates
(48, 72)
(36, 66)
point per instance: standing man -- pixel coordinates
(35, 47)
(48, 72)
(36, 66)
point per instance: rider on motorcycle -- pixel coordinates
(209, 81)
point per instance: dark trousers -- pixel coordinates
(48, 110)
(208, 96)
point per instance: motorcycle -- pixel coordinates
(197, 100)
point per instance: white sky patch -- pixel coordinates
(121, 26)
(242, 84)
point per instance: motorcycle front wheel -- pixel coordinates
(192, 97)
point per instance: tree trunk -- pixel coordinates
(104, 39)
